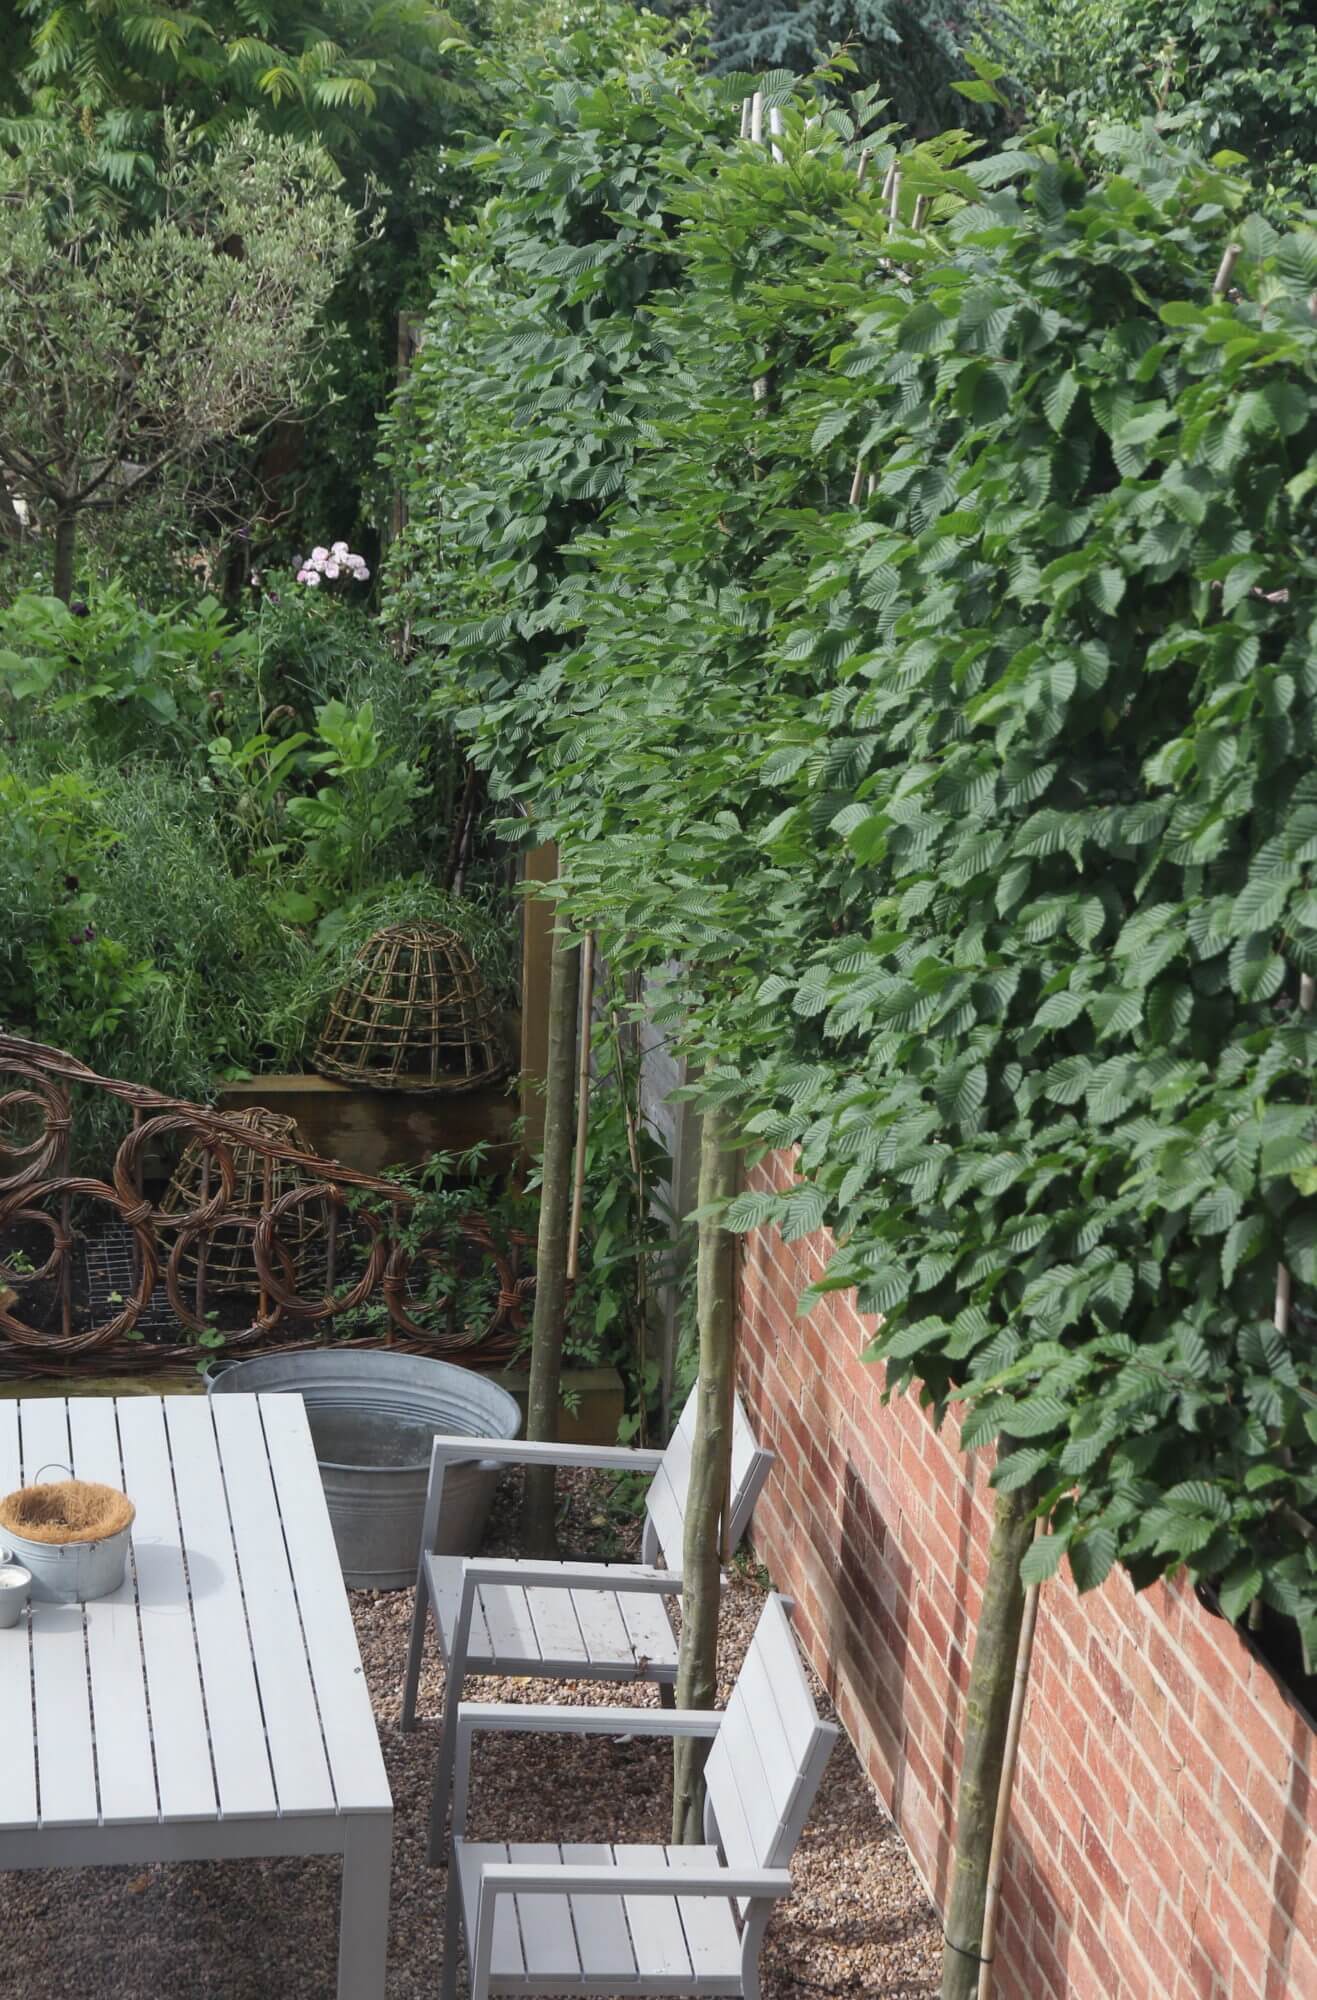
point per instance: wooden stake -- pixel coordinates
(745, 118)
(550, 1312)
(1001, 1823)
(757, 139)
(857, 484)
(1230, 257)
(775, 127)
(922, 206)
(582, 1106)
(863, 167)
(894, 198)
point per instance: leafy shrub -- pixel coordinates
(113, 677)
(1219, 74)
(131, 940)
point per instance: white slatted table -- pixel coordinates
(215, 1706)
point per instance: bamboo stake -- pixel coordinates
(1010, 1756)
(757, 139)
(894, 198)
(863, 167)
(1229, 258)
(582, 1106)
(548, 1319)
(642, 1209)
(857, 484)
(922, 206)
(745, 117)
(775, 127)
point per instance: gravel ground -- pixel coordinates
(858, 1923)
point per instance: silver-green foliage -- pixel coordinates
(125, 349)
(980, 814)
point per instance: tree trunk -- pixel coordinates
(987, 1714)
(66, 546)
(706, 1505)
(537, 1526)
(11, 522)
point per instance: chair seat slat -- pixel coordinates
(548, 1936)
(649, 1629)
(602, 1628)
(603, 1938)
(656, 1931)
(557, 1627)
(508, 1622)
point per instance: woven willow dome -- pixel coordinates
(414, 1013)
(258, 1182)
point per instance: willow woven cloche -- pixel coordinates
(259, 1179)
(414, 1013)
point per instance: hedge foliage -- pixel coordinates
(978, 811)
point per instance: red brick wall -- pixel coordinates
(1163, 1843)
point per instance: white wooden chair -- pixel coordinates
(556, 1620)
(647, 1920)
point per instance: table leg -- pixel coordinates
(363, 1932)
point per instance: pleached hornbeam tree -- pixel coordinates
(706, 1506)
(987, 1719)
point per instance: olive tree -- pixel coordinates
(128, 349)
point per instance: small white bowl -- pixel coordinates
(15, 1590)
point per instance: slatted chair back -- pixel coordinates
(769, 1753)
(665, 1501)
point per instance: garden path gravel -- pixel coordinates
(857, 1925)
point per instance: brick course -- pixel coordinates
(1162, 1843)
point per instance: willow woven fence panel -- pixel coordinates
(414, 1013)
(48, 1211)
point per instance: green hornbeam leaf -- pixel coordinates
(1043, 1558)
(1214, 1211)
(1019, 1467)
(1059, 399)
(1241, 1584)
(1243, 1241)
(1038, 1415)
(1091, 1557)
(751, 1211)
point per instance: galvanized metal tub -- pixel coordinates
(71, 1572)
(372, 1415)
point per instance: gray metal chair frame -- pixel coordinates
(563, 1621)
(647, 1920)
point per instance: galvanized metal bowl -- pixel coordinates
(88, 1563)
(15, 1589)
(372, 1415)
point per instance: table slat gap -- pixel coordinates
(239, 1736)
(66, 1753)
(116, 1665)
(184, 1768)
(351, 1737)
(301, 1767)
